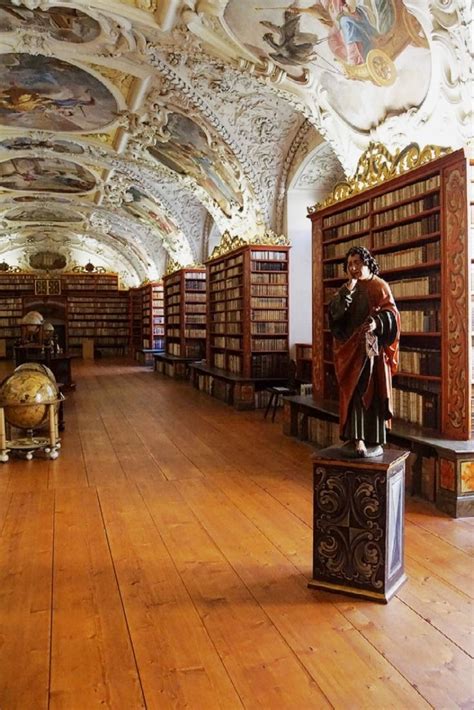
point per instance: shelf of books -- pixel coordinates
(248, 312)
(415, 224)
(135, 296)
(185, 321)
(248, 324)
(102, 317)
(153, 328)
(12, 288)
(89, 282)
(11, 311)
(304, 362)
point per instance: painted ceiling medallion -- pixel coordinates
(43, 214)
(362, 53)
(28, 143)
(45, 175)
(47, 260)
(61, 23)
(46, 93)
(187, 151)
(147, 211)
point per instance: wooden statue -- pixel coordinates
(365, 323)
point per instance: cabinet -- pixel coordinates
(414, 219)
(185, 313)
(248, 312)
(304, 362)
(153, 319)
(416, 227)
(135, 296)
(99, 316)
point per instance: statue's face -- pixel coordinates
(356, 269)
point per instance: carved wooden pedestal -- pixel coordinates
(358, 524)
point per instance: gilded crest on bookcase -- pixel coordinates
(377, 165)
(175, 266)
(228, 242)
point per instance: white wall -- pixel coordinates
(298, 228)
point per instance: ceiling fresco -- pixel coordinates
(362, 53)
(139, 131)
(52, 95)
(187, 150)
(147, 211)
(61, 23)
(43, 214)
(44, 175)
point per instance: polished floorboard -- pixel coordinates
(162, 562)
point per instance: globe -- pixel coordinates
(25, 395)
(38, 366)
(32, 318)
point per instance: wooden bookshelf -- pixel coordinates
(247, 319)
(100, 316)
(185, 313)
(89, 282)
(135, 296)
(415, 224)
(153, 319)
(304, 362)
(248, 312)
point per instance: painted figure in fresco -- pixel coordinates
(353, 25)
(64, 24)
(292, 46)
(188, 152)
(365, 323)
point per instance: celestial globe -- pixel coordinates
(38, 366)
(32, 321)
(24, 395)
(48, 329)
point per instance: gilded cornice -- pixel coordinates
(174, 266)
(377, 165)
(229, 243)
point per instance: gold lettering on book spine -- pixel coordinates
(455, 405)
(377, 165)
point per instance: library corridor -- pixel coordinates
(162, 561)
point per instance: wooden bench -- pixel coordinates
(172, 365)
(145, 355)
(233, 389)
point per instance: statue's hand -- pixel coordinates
(369, 325)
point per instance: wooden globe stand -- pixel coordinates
(29, 444)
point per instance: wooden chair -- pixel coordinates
(279, 391)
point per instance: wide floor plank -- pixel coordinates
(26, 561)
(179, 664)
(92, 660)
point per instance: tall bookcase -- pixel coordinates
(304, 362)
(153, 319)
(185, 313)
(12, 288)
(415, 222)
(98, 310)
(135, 311)
(248, 312)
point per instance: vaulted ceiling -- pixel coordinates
(135, 131)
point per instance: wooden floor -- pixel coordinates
(162, 562)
